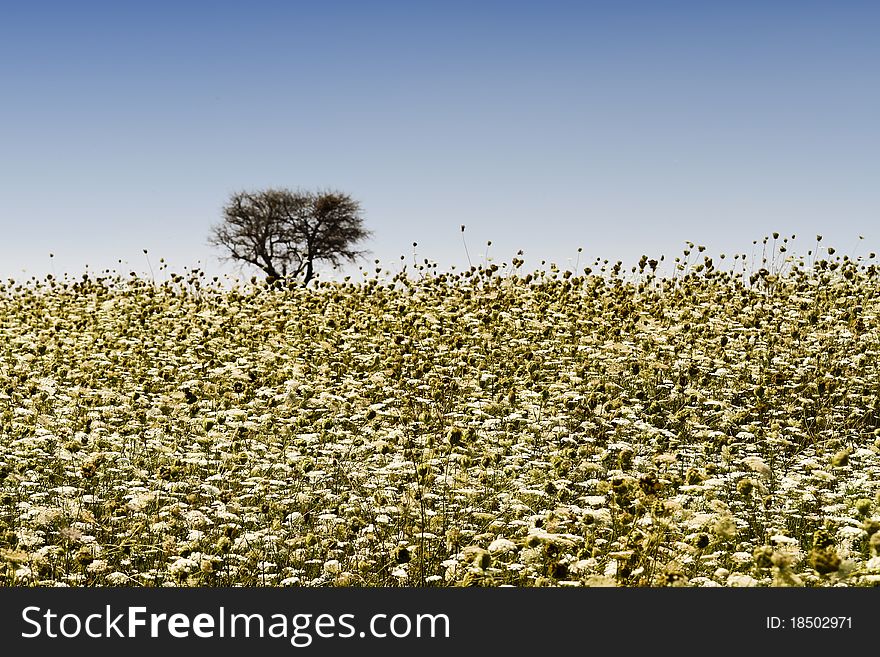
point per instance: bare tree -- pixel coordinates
(284, 232)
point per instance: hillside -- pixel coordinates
(478, 428)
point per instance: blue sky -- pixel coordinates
(620, 127)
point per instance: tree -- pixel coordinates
(284, 232)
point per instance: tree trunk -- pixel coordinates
(272, 274)
(309, 273)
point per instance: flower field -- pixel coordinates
(614, 426)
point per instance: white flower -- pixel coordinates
(741, 558)
(118, 579)
(758, 465)
(182, 566)
(740, 580)
(782, 539)
(97, 566)
(22, 572)
(194, 535)
(501, 546)
(600, 581)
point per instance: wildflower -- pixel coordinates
(650, 484)
(14, 556)
(725, 527)
(97, 566)
(701, 541)
(182, 566)
(70, 534)
(210, 565)
(740, 580)
(501, 546)
(672, 577)
(763, 557)
(824, 560)
(822, 539)
(863, 506)
(117, 578)
(84, 556)
(693, 477)
(783, 576)
(401, 554)
(758, 465)
(746, 486)
(478, 556)
(625, 458)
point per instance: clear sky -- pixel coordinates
(621, 127)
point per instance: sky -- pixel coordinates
(622, 128)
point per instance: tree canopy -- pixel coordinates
(285, 232)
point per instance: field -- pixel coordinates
(613, 426)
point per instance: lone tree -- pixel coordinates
(284, 232)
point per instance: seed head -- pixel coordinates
(745, 487)
(824, 561)
(840, 459)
